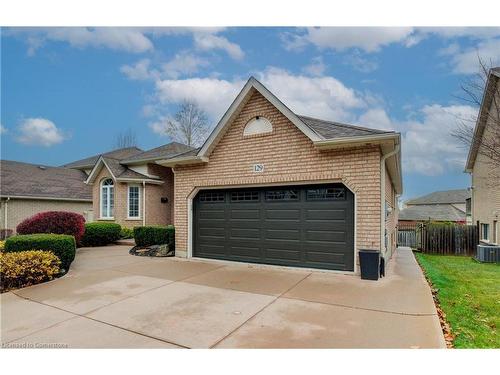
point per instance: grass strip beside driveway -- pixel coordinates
(469, 294)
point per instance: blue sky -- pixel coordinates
(67, 92)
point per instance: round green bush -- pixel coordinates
(101, 234)
(62, 245)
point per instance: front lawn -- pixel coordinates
(469, 293)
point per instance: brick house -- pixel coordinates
(27, 189)
(268, 186)
(485, 199)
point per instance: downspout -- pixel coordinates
(383, 249)
(143, 203)
(6, 206)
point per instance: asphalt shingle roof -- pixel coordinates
(163, 152)
(331, 129)
(442, 197)
(119, 154)
(121, 171)
(439, 212)
(32, 180)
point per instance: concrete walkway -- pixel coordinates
(111, 299)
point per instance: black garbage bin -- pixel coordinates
(369, 261)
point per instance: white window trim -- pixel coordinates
(485, 225)
(128, 202)
(101, 216)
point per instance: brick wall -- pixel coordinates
(157, 213)
(20, 209)
(289, 156)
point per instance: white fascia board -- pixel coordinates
(45, 198)
(139, 180)
(252, 83)
(346, 141)
(183, 161)
(91, 176)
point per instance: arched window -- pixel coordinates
(107, 198)
(258, 125)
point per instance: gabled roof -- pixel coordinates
(37, 181)
(118, 171)
(441, 197)
(163, 152)
(490, 89)
(119, 154)
(323, 134)
(438, 212)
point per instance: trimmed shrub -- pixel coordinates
(101, 234)
(62, 245)
(58, 222)
(26, 268)
(2, 245)
(155, 235)
(126, 233)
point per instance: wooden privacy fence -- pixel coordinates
(452, 239)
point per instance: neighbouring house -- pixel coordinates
(485, 199)
(27, 189)
(128, 187)
(445, 206)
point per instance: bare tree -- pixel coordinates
(125, 139)
(488, 143)
(189, 125)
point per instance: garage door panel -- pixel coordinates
(282, 234)
(282, 254)
(251, 234)
(325, 214)
(211, 232)
(272, 214)
(284, 226)
(325, 235)
(245, 251)
(244, 214)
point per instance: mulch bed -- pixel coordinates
(152, 251)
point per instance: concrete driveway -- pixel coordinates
(111, 299)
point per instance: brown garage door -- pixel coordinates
(302, 226)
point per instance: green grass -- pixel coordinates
(469, 293)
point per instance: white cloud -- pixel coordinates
(139, 71)
(129, 39)
(324, 96)
(208, 41)
(3, 129)
(428, 146)
(316, 67)
(39, 131)
(122, 39)
(376, 118)
(212, 94)
(183, 63)
(368, 39)
(466, 61)
(360, 63)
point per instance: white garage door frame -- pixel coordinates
(195, 191)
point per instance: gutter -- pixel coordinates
(183, 161)
(47, 198)
(378, 138)
(397, 148)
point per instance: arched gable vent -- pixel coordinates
(258, 125)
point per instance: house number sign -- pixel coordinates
(258, 168)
